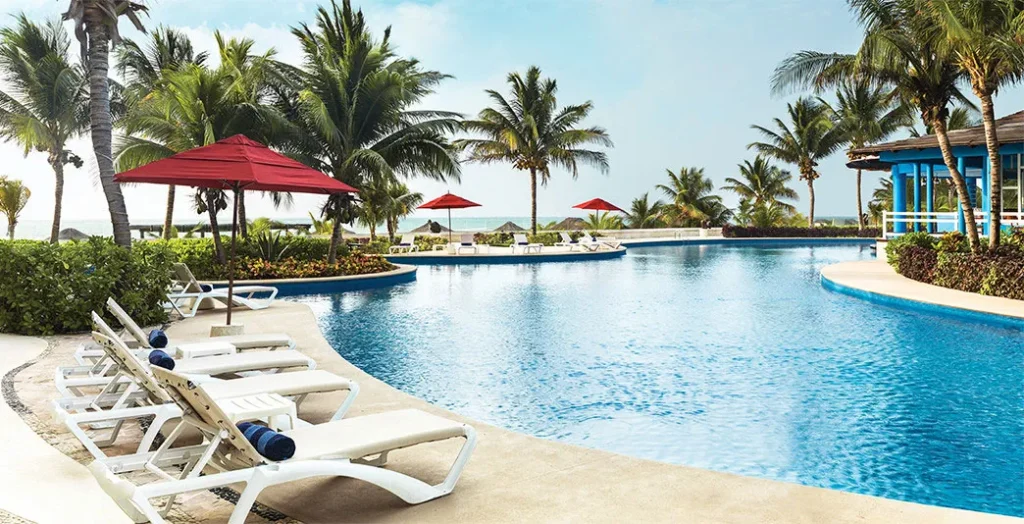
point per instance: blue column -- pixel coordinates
(917, 194)
(899, 198)
(929, 195)
(986, 190)
(961, 222)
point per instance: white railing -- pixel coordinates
(940, 219)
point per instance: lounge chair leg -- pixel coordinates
(349, 399)
(247, 498)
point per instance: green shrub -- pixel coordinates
(893, 247)
(48, 289)
(731, 231)
(953, 242)
(1004, 278)
(259, 269)
(200, 255)
(427, 243)
(917, 263)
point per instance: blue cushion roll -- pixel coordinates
(159, 357)
(268, 442)
(157, 339)
(205, 288)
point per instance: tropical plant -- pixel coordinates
(761, 182)
(272, 244)
(810, 137)
(372, 209)
(960, 117)
(143, 69)
(901, 50)
(985, 39)
(13, 199)
(644, 214)
(528, 130)
(45, 99)
(358, 111)
(692, 203)
(598, 221)
(868, 114)
(401, 202)
(96, 28)
(321, 226)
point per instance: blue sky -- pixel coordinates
(675, 83)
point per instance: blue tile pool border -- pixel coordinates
(456, 260)
(752, 242)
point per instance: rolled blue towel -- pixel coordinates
(157, 339)
(205, 288)
(159, 357)
(268, 442)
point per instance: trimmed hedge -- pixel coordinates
(731, 231)
(48, 289)
(257, 269)
(200, 255)
(947, 263)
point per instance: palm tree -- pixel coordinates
(813, 137)
(96, 28)
(869, 114)
(357, 110)
(960, 117)
(902, 50)
(528, 130)
(692, 203)
(401, 202)
(763, 183)
(45, 102)
(373, 203)
(143, 70)
(985, 39)
(13, 198)
(599, 222)
(645, 214)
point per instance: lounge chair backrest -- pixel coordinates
(129, 324)
(520, 239)
(565, 237)
(467, 239)
(183, 276)
(194, 401)
(126, 360)
(408, 240)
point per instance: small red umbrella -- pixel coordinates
(449, 201)
(236, 164)
(598, 204)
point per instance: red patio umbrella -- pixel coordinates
(449, 201)
(598, 204)
(236, 164)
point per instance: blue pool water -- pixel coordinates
(728, 358)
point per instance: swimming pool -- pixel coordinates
(721, 357)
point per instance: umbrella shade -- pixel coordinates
(869, 163)
(598, 204)
(235, 163)
(449, 201)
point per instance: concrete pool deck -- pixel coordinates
(512, 477)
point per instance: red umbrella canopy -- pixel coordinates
(598, 204)
(235, 162)
(449, 201)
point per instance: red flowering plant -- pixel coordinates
(259, 269)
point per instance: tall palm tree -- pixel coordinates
(810, 137)
(96, 29)
(13, 199)
(528, 130)
(903, 50)
(763, 183)
(357, 110)
(692, 202)
(143, 68)
(960, 117)
(869, 114)
(401, 202)
(44, 105)
(597, 221)
(645, 214)
(985, 38)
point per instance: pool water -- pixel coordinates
(728, 358)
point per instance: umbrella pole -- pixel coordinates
(449, 225)
(231, 259)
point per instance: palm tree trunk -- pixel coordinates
(332, 252)
(533, 200)
(995, 175)
(939, 126)
(169, 213)
(391, 229)
(58, 199)
(101, 122)
(860, 205)
(11, 223)
(243, 223)
(211, 208)
(810, 190)
(373, 231)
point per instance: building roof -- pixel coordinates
(1009, 130)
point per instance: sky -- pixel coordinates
(676, 83)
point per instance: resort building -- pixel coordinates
(919, 161)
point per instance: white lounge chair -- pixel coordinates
(588, 242)
(91, 354)
(406, 245)
(353, 448)
(187, 295)
(520, 242)
(467, 242)
(567, 241)
(142, 396)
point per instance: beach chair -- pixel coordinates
(566, 241)
(137, 395)
(466, 242)
(611, 242)
(350, 448)
(406, 245)
(588, 242)
(521, 243)
(187, 295)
